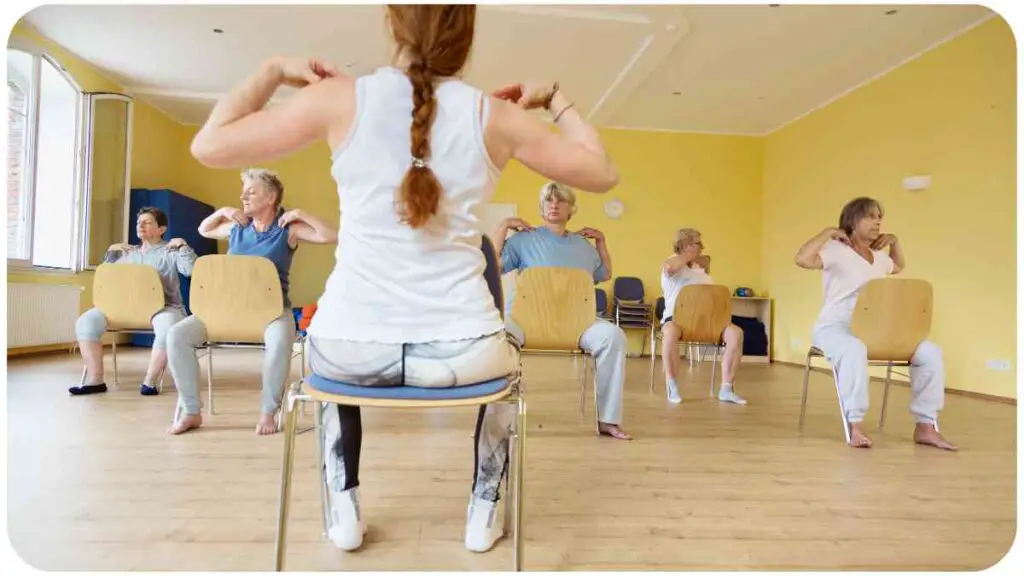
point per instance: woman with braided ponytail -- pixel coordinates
(416, 154)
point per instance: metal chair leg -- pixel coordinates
(803, 398)
(302, 367)
(842, 407)
(85, 370)
(325, 503)
(113, 342)
(583, 383)
(597, 410)
(507, 524)
(714, 366)
(286, 484)
(517, 521)
(653, 358)
(209, 378)
(885, 396)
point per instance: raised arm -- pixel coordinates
(674, 264)
(304, 227)
(183, 254)
(808, 256)
(516, 224)
(895, 251)
(243, 130)
(573, 156)
(116, 252)
(218, 225)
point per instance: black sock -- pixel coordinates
(88, 389)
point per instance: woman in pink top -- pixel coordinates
(416, 153)
(850, 256)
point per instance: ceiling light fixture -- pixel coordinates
(891, 12)
(218, 31)
(677, 93)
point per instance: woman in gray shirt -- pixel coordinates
(169, 259)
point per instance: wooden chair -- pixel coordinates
(554, 307)
(892, 317)
(128, 295)
(236, 297)
(702, 312)
(321, 390)
(659, 310)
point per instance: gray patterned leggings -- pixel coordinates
(426, 365)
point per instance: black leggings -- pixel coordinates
(490, 451)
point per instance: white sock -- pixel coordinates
(673, 391)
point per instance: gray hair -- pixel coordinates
(559, 191)
(268, 179)
(685, 237)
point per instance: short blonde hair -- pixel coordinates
(685, 237)
(559, 191)
(267, 178)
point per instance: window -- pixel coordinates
(62, 211)
(105, 221)
(19, 93)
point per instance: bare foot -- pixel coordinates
(187, 422)
(613, 430)
(858, 439)
(927, 434)
(266, 425)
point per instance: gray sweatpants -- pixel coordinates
(92, 324)
(606, 342)
(849, 356)
(189, 334)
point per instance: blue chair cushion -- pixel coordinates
(408, 392)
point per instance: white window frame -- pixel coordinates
(88, 101)
(32, 149)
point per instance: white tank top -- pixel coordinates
(391, 283)
(671, 286)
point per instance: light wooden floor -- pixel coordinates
(94, 484)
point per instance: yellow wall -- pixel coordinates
(158, 143)
(952, 114)
(668, 181)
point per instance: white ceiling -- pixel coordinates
(727, 69)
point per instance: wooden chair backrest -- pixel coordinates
(554, 307)
(128, 295)
(702, 312)
(236, 297)
(892, 317)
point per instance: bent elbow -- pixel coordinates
(609, 180)
(205, 152)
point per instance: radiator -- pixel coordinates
(41, 314)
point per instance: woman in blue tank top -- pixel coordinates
(261, 228)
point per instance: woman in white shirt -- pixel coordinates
(850, 256)
(416, 154)
(688, 266)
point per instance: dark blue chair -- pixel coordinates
(601, 297)
(321, 390)
(630, 310)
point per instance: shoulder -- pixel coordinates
(833, 247)
(523, 237)
(833, 252)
